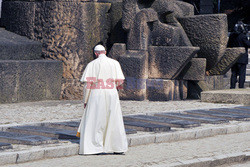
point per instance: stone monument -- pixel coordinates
(164, 49)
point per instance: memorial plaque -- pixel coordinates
(232, 110)
(244, 107)
(72, 125)
(18, 138)
(44, 131)
(130, 131)
(216, 114)
(4, 146)
(162, 121)
(148, 127)
(196, 118)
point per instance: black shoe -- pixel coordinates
(119, 153)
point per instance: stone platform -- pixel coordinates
(162, 127)
(236, 96)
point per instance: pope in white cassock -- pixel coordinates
(101, 129)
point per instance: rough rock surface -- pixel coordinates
(16, 47)
(30, 80)
(227, 61)
(68, 30)
(167, 62)
(209, 32)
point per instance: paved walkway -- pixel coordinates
(156, 155)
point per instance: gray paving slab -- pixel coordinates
(18, 138)
(244, 107)
(71, 125)
(44, 131)
(196, 118)
(130, 131)
(162, 121)
(216, 114)
(148, 127)
(232, 110)
(4, 146)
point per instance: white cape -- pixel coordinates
(102, 128)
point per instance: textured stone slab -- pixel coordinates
(217, 114)
(209, 32)
(232, 110)
(164, 90)
(30, 80)
(148, 127)
(22, 138)
(194, 70)
(161, 121)
(130, 131)
(4, 146)
(237, 96)
(195, 118)
(45, 131)
(244, 107)
(72, 125)
(227, 61)
(16, 47)
(175, 57)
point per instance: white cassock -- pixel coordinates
(101, 128)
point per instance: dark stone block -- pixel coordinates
(227, 61)
(194, 70)
(161, 121)
(148, 127)
(183, 9)
(31, 80)
(130, 131)
(135, 67)
(138, 36)
(167, 62)
(232, 111)
(165, 90)
(9, 81)
(18, 17)
(195, 118)
(4, 146)
(244, 107)
(218, 114)
(209, 32)
(72, 125)
(20, 138)
(44, 131)
(117, 50)
(16, 47)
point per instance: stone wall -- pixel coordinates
(68, 30)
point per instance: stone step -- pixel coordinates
(232, 111)
(22, 138)
(44, 131)
(195, 118)
(162, 121)
(148, 127)
(217, 114)
(16, 47)
(4, 146)
(235, 96)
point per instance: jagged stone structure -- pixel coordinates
(161, 45)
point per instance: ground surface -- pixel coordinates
(64, 110)
(157, 154)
